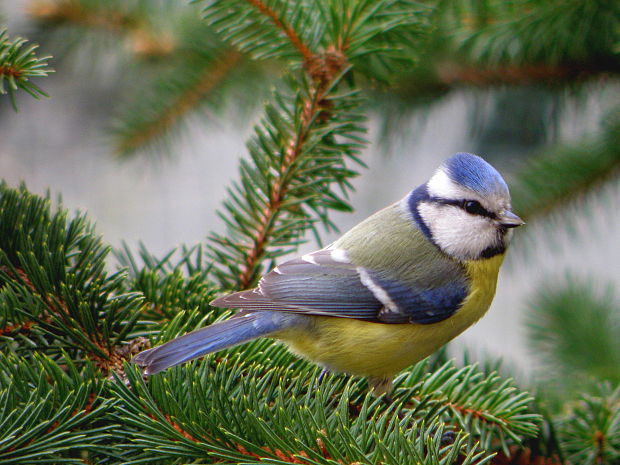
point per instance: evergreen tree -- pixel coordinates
(68, 324)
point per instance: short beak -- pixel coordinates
(510, 220)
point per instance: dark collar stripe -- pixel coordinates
(420, 194)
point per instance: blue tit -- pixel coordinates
(388, 293)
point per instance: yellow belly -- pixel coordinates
(381, 350)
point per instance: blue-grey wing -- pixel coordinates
(415, 303)
(327, 283)
(315, 284)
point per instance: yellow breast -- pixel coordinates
(381, 350)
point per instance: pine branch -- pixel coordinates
(255, 26)
(532, 31)
(564, 174)
(54, 284)
(491, 44)
(484, 405)
(288, 31)
(18, 65)
(282, 221)
(590, 432)
(576, 329)
(305, 136)
(288, 142)
(127, 20)
(174, 97)
(51, 414)
(188, 67)
(520, 74)
(251, 412)
(176, 289)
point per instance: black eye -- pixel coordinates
(474, 207)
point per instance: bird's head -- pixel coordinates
(465, 207)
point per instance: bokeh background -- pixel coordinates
(111, 58)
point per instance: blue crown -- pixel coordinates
(474, 173)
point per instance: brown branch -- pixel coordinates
(469, 411)
(142, 39)
(524, 456)
(179, 430)
(290, 33)
(23, 328)
(282, 456)
(279, 190)
(323, 69)
(72, 11)
(114, 358)
(451, 74)
(601, 444)
(186, 102)
(9, 71)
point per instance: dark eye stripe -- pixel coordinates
(470, 206)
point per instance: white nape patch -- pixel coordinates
(458, 233)
(380, 293)
(340, 256)
(308, 258)
(440, 185)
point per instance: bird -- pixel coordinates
(386, 294)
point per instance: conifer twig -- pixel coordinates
(71, 303)
(312, 107)
(18, 64)
(323, 69)
(290, 33)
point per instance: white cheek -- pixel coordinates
(458, 233)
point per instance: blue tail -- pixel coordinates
(228, 333)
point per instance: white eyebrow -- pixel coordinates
(440, 185)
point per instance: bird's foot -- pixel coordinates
(380, 386)
(324, 372)
(448, 438)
